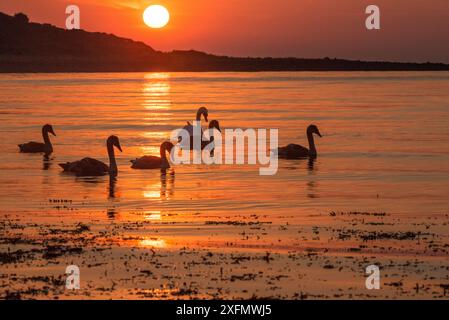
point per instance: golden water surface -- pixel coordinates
(385, 146)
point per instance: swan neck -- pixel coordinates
(112, 163)
(312, 148)
(163, 151)
(46, 137)
(198, 115)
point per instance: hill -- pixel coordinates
(33, 47)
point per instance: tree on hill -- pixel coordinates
(21, 18)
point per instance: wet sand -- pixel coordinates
(145, 256)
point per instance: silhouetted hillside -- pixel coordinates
(33, 47)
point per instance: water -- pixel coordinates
(385, 149)
(385, 144)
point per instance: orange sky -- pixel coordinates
(412, 30)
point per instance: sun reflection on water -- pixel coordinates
(153, 242)
(156, 91)
(152, 215)
(152, 191)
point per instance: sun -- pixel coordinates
(156, 16)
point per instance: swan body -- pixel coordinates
(295, 151)
(86, 167)
(91, 167)
(153, 162)
(39, 147)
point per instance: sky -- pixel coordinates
(411, 30)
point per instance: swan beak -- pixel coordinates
(52, 132)
(205, 117)
(119, 147)
(319, 134)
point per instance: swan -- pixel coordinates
(294, 151)
(92, 167)
(189, 127)
(38, 147)
(153, 162)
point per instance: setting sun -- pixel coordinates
(156, 16)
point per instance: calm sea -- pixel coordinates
(385, 144)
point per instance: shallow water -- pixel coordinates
(385, 144)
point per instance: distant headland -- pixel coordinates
(34, 47)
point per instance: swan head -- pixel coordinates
(214, 124)
(168, 146)
(114, 141)
(48, 128)
(314, 129)
(203, 111)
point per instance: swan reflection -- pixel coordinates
(111, 188)
(47, 162)
(112, 213)
(167, 184)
